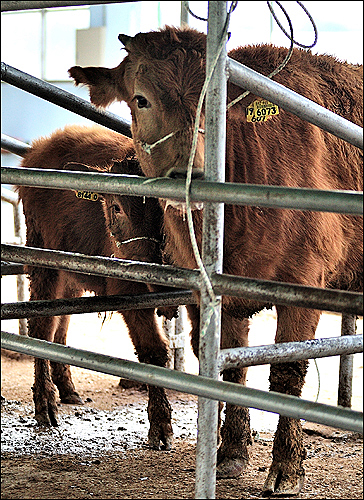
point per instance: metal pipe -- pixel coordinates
(212, 250)
(184, 17)
(289, 351)
(168, 328)
(346, 202)
(268, 292)
(283, 404)
(10, 269)
(9, 196)
(13, 145)
(20, 278)
(9, 5)
(345, 390)
(62, 98)
(179, 340)
(12, 198)
(295, 103)
(80, 305)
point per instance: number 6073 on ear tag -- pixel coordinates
(261, 111)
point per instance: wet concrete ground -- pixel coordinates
(86, 431)
(92, 432)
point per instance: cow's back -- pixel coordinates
(56, 218)
(95, 146)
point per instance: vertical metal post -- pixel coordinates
(348, 327)
(20, 278)
(10, 197)
(174, 331)
(180, 340)
(212, 243)
(184, 13)
(168, 328)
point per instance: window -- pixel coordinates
(42, 42)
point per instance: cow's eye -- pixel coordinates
(142, 101)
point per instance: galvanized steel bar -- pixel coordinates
(168, 327)
(295, 103)
(11, 5)
(13, 145)
(184, 17)
(12, 198)
(180, 339)
(283, 404)
(80, 305)
(345, 390)
(346, 202)
(9, 196)
(10, 269)
(212, 250)
(272, 292)
(289, 351)
(62, 98)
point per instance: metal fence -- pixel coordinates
(11, 198)
(213, 192)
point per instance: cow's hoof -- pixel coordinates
(279, 484)
(47, 419)
(231, 468)
(72, 399)
(160, 437)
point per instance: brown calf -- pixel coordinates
(161, 79)
(58, 220)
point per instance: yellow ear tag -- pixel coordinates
(87, 195)
(261, 111)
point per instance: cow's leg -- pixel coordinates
(152, 347)
(232, 455)
(286, 474)
(43, 285)
(61, 373)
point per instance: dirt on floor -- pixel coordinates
(99, 450)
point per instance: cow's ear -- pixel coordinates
(81, 167)
(126, 41)
(105, 85)
(129, 166)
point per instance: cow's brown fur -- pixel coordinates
(161, 79)
(57, 219)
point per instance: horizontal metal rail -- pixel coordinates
(13, 145)
(9, 269)
(267, 292)
(62, 98)
(274, 402)
(58, 307)
(289, 351)
(9, 5)
(348, 202)
(295, 103)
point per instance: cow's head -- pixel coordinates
(160, 79)
(134, 222)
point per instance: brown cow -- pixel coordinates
(57, 219)
(161, 79)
